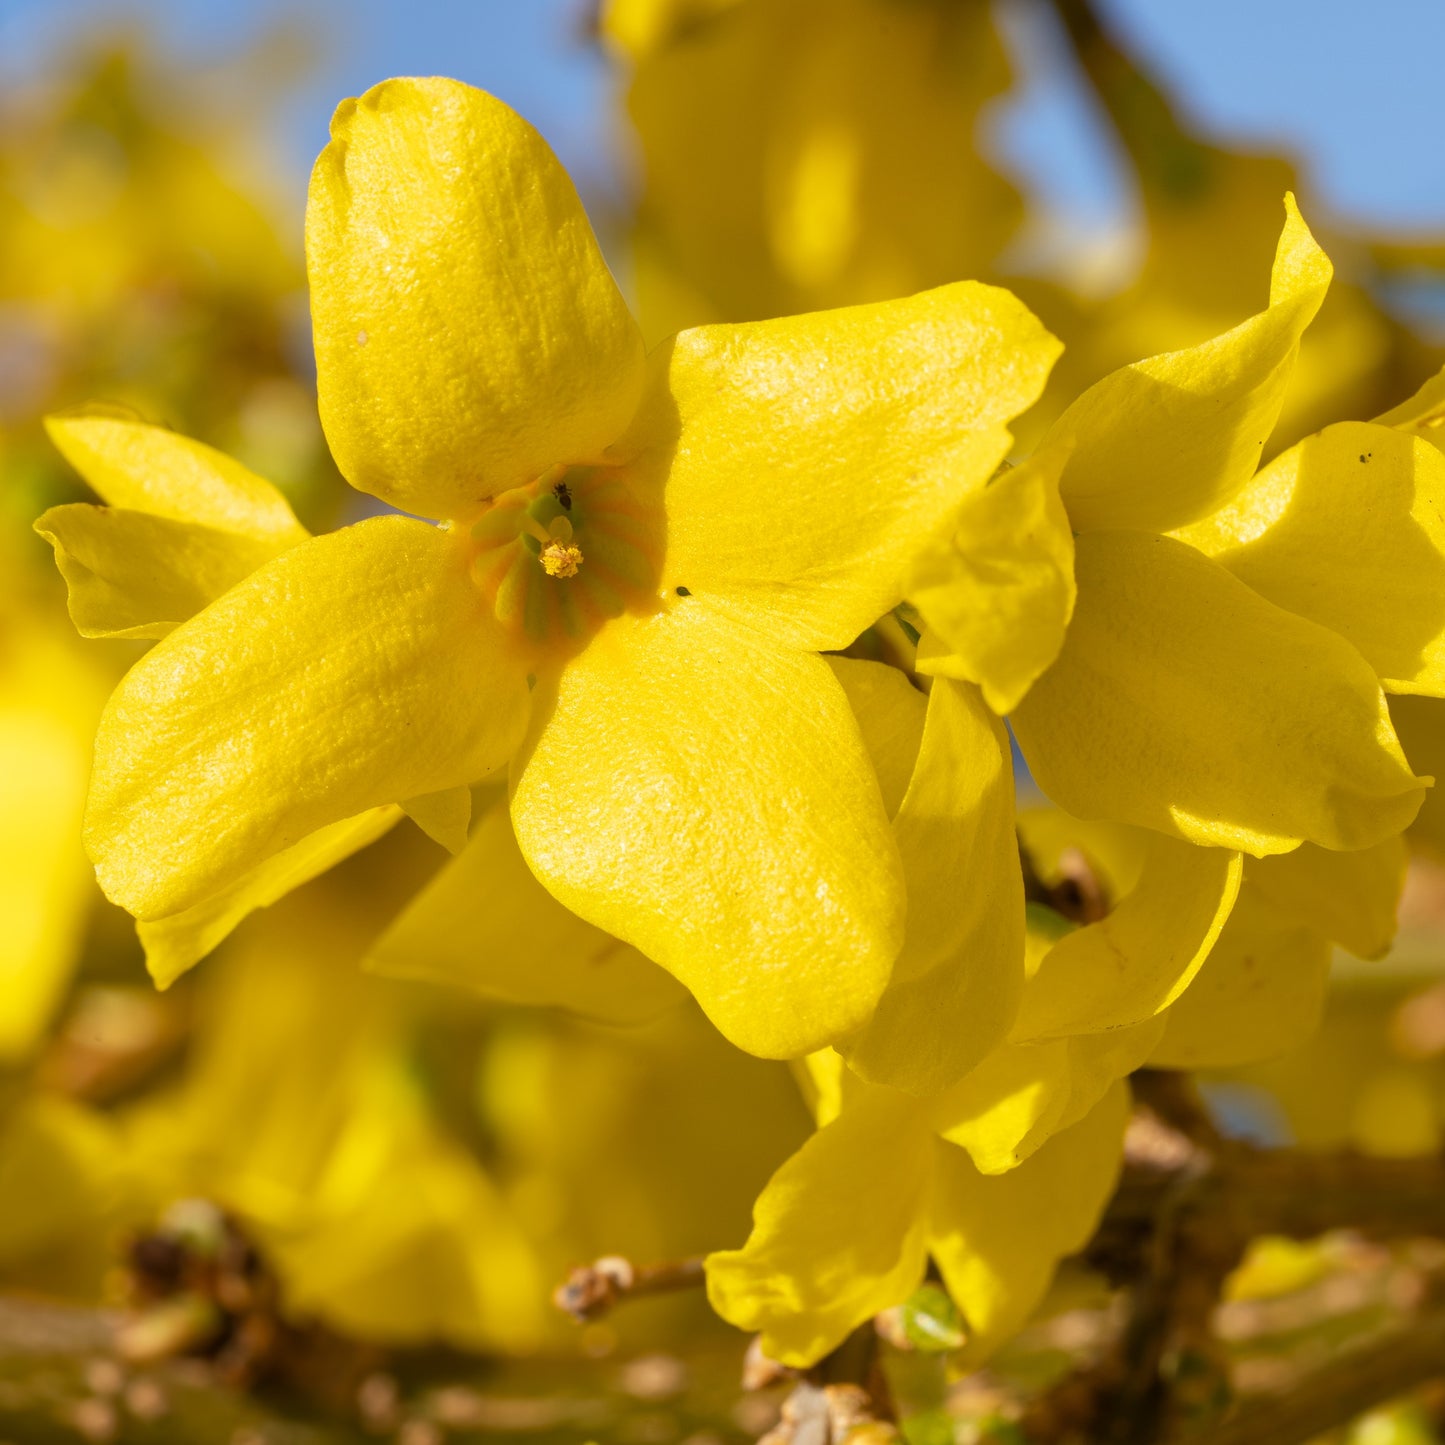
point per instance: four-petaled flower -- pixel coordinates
(640, 561)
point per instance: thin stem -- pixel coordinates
(591, 1290)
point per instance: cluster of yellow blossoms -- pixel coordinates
(631, 679)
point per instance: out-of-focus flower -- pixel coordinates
(1206, 229)
(130, 268)
(799, 154)
(301, 1111)
(50, 698)
(135, 268)
(1370, 1077)
(68, 1194)
(651, 1141)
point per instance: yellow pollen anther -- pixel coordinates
(561, 559)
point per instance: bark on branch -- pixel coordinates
(591, 1290)
(1187, 1206)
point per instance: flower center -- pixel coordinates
(560, 556)
(566, 552)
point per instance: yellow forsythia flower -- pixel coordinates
(1262, 990)
(685, 771)
(1218, 677)
(806, 153)
(845, 1227)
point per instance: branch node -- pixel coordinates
(592, 1290)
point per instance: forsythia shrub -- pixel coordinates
(704, 656)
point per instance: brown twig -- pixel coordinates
(1350, 1384)
(845, 1396)
(591, 1290)
(1174, 1101)
(1186, 1208)
(1172, 1262)
(1076, 893)
(1283, 1191)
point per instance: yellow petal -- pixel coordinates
(181, 940)
(485, 923)
(808, 460)
(822, 1077)
(143, 468)
(1347, 528)
(838, 1234)
(1096, 1063)
(709, 800)
(890, 713)
(1420, 721)
(62, 1169)
(1183, 701)
(132, 574)
(468, 332)
(357, 669)
(1423, 414)
(444, 817)
(997, 1239)
(1018, 1093)
(956, 984)
(49, 700)
(1024, 1094)
(1129, 966)
(800, 155)
(1260, 993)
(431, 1251)
(1159, 443)
(1350, 898)
(998, 595)
(640, 27)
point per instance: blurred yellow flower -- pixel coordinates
(300, 1110)
(808, 153)
(50, 698)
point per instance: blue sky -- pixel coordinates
(1352, 88)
